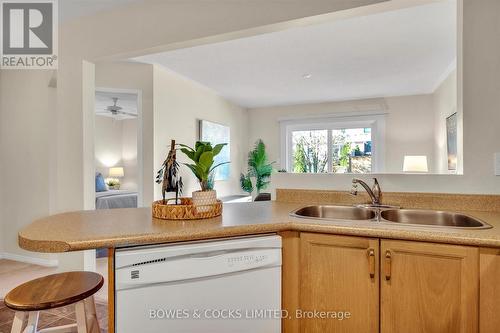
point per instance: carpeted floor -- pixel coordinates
(55, 317)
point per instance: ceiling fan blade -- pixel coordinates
(128, 113)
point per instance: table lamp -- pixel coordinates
(414, 163)
(114, 174)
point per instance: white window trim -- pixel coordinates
(376, 121)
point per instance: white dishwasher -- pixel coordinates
(229, 285)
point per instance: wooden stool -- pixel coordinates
(54, 291)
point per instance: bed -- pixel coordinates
(115, 199)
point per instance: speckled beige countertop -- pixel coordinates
(121, 227)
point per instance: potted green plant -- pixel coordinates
(259, 168)
(203, 156)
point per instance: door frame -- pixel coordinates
(140, 137)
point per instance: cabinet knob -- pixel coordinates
(371, 262)
(387, 265)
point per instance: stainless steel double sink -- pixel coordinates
(388, 214)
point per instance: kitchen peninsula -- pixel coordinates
(474, 254)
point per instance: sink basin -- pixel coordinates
(402, 216)
(432, 218)
(334, 213)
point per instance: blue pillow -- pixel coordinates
(100, 185)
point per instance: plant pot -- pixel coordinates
(203, 198)
(114, 187)
(263, 197)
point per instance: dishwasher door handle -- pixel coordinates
(209, 255)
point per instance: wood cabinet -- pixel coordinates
(390, 286)
(489, 295)
(290, 280)
(339, 274)
(428, 287)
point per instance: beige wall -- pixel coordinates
(107, 144)
(481, 61)
(401, 139)
(138, 29)
(124, 32)
(129, 155)
(2, 229)
(134, 76)
(116, 145)
(444, 103)
(2, 189)
(26, 146)
(409, 130)
(178, 105)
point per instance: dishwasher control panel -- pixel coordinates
(170, 263)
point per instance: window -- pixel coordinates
(349, 153)
(310, 151)
(333, 145)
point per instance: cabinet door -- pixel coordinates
(489, 295)
(339, 273)
(431, 288)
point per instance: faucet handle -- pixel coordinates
(354, 189)
(376, 189)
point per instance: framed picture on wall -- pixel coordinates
(451, 141)
(217, 133)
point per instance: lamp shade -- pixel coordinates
(116, 172)
(415, 164)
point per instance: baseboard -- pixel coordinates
(29, 259)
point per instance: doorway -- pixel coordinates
(117, 150)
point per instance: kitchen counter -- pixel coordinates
(85, 230)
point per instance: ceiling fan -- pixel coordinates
(116, 110)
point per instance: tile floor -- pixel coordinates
(13, 273)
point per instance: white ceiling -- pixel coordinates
(403, 52)
(71, 9)
(127, 101)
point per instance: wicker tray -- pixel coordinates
(185, 210)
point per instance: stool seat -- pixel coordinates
(53, 291)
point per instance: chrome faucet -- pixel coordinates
(375, 193)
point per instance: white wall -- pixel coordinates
(129, 154)
(2, 161)
(116, 145)
(409, 130)
(108, 143)
(2, 228)
(26, 146)
(134, 76)
(401, 139)
(444, 104)
(178, 105)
